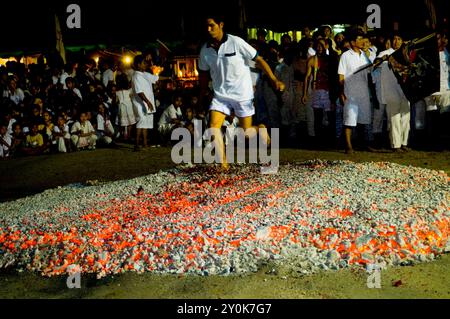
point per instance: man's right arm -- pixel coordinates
(147, 101)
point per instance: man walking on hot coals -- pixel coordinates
(223, 58)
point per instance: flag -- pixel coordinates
(59, 41)
(163, 52)
(432, 12)
(242, 17)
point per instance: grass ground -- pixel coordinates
(25, 176)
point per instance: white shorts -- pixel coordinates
(241, 109)
(144, 121)
(350, 114)
(355, 113)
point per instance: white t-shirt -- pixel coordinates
(169, 114)
(355, 85)
(107, 76)
(142, 82)
(231, 78)
(85, 128)
(350, 62)
(17, 97)
(56, 129)
(104, 125)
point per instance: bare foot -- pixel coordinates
(268, 140)
(349, 151)
(225, 167)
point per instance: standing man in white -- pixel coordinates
(354, 88)
(223, 58)
(143, 99)
(397, 105)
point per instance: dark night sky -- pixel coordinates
(31, 26)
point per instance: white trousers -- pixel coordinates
(399, 121)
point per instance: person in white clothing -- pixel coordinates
(69, 71)
(107, 75)
(171, 117)
(354, 88)
(70, 85)
(395, 101)
(83, 133)
(13, 92)
(62, 135)
(105, 129)
(5, 142)
(126, 116)
(143, 99)
(223, 59)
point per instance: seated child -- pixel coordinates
(171, 118)
(61, 134)
(34, 142)
(105, 129)
(5, 141)
(83, 133)
(18, 139)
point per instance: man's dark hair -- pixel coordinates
(138, 60)
(216, 16)
(273, 45)
(69, 79)
(261, 32)
(354, 34)
(396, 34)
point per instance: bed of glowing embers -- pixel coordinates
(198, 220)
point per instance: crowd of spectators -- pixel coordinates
(86, 104)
